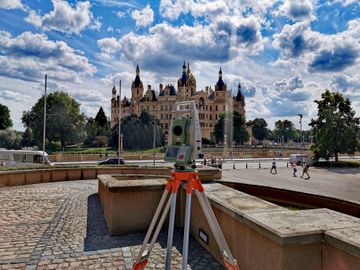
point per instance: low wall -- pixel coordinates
(261, 235)
(25, 177)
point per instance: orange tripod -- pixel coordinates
(193, 183)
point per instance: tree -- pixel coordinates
(100, 118)
(5, 121)
(64, 120)
(286, 130)
(28, 138)
(240, 134)
(336, 129)
(10, 139)
(138, 132)
(259, 128)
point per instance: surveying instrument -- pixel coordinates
(183, 147)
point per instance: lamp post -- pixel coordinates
(119, 124)
(44, 129)
(301, 138)
(154, 140)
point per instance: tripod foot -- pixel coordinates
(231, 266)
(141, 265)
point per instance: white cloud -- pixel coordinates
(29, 56)
(143, 17)
(64, 18)
(11, 4)
(13, 95)
(121, 14)
(298, 10)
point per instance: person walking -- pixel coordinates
(293, 167)
(273, 166)
(305, 171)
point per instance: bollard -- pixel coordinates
(234, 166)
(287, 164)
(246, 165)
(259, 165)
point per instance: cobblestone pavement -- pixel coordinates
(61, 226)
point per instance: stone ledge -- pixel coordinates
(123, 182)
(236, 203)
(299, 227)
(347, 240)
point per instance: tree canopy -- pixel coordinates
(64, 121)
(240, 134)
(259, 128)
(28, 138)
(101, 119)
(10, 139)
(285, 129)
(336, 129)
(5, 121)
(138, 132)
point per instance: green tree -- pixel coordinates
(10, 139)
(240, 134)
(64, 121)
(5, 121)
(336, 129)
(28, 138)
(259, 128)
(285, 129)
(101, 119)
(138, 132)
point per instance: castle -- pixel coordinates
(210, 103)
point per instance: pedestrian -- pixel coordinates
(293, 166)
(3, 164)
(219, 163)
(204, 161)
(106, 155)
(273, 166)
(305, 171)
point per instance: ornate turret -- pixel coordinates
(220, 85)
(239, 100)
(113, 92)
(137, 90)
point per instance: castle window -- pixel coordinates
(166, 107)
(210, 116)
(162, 107)
(216, 116)
(216, 107)
(210, 108)
(166, 125)
(161, 116)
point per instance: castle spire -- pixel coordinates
(137, 70)
(220, 73)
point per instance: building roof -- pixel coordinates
(172, 91)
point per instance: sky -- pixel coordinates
(284, 53)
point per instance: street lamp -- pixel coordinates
(44, 128)
(154, 140)
(119, 124)
(300, 121)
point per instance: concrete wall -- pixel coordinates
(261, 235)
(25, 177)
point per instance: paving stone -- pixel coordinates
(61, 226)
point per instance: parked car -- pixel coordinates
(113, 160)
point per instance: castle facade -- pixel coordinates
(209, 102)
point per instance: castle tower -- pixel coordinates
(113, 92)
(239, 101)
(137, 90)
(188, 80)
(220, 85)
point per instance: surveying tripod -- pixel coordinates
(193, 183)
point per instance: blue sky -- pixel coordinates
(284, 53)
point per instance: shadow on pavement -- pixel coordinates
(98, 238)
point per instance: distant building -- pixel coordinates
(210, 103)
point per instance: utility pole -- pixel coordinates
(44, 129)
(154, 140)
(119, 124)
(301, 138)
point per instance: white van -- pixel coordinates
(22, 157)
(300, 157)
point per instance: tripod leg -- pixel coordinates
(215, 228)
(186, 231)
(159, 226)
(171, 230)
(143, 256)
